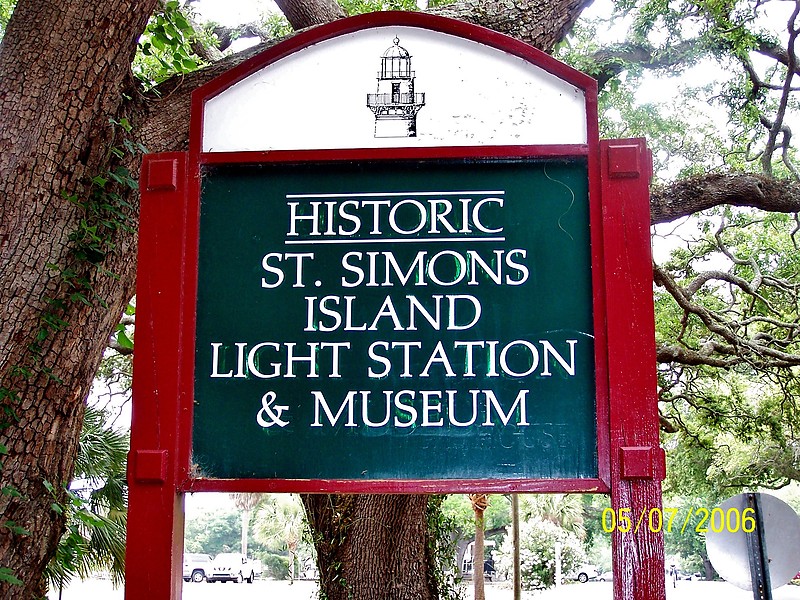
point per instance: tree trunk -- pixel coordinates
(245, 529)
(302, 14)
(478, 558)
(372, 547)
(708, 569)
(479, 504)
(64, 70)
(540, 23)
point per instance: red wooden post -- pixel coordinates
(637, 460)
(155, 517)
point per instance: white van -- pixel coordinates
(196, 567)
(230, 566)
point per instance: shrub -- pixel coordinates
(537, 553)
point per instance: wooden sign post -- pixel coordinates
(395, 239)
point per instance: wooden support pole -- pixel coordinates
(637, 460)
(154, 552)
(515, 529)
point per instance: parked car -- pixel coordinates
(196, 567)
(584, 573)
(230, 566)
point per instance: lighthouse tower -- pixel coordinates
(395, 104)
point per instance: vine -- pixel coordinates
(104, 213)
(441, 549)
(329, 541)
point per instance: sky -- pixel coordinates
(234, 13)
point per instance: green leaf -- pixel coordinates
(159, 41)
(124, 341)
(12, 491)
(14, 528)
(189, 64)
(183, 24)
(78, 297)
(7, 576)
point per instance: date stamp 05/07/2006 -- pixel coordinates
(700, 520)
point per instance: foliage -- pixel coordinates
(791, 495)
(213, 532)
(166, 46)
(441, 546)
(96, 508)
(280, 523)
(458, 509)
(6, 8)
(564, 510)
(274, 566)
(597, 542)
(739, 423)
(729, 57)
(686, 546)
(276, 25)
(357, 7)
(537, 553)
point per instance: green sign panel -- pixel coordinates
(412, 320)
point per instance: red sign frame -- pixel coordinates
(631, 463)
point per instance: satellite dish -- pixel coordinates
(734, 541)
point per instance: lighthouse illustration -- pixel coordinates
(395, 103)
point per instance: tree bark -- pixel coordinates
(693, 194)
(302, 14)
(58, 90)
(372, 547)
(540, 23)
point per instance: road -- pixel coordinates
(306, 590)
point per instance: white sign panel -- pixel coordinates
(395, 87)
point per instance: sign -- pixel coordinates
(398, 271)
(421, 320)
(751, 540)
(396, 258)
